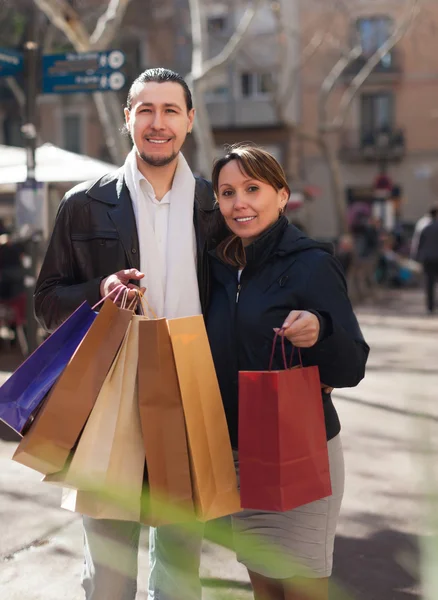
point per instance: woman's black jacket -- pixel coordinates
(285, 271)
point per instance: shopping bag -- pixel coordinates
(48, 443)
(283, 457)
(163, 425)
(109, 457)
(212, 464)
(25, 390)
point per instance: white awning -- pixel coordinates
(53, 164)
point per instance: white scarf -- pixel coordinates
(177, 295)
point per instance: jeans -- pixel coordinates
(111, 561)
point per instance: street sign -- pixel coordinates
(84, 72)
(70, 84)
(84, 63)
(11, 62)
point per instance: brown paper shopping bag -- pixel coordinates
(162, 420)
(110, 454)
(58, 425)
(213, 472)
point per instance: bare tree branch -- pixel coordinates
(234, 43)
(108, 24)
(196, 19)
(308, 53)
(372, 62)
(61, 14)
(67, 20)
(329, 84)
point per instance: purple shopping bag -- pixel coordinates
(27, 387)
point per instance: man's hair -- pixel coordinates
(434, 212)
(159, 75)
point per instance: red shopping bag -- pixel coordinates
(283, 455)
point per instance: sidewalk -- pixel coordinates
(385, 421)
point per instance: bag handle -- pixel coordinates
(119, 287)
(283, 351)
(144, 303)
(121, 291)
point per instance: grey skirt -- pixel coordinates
(282, 545)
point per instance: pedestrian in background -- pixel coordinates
(427, 255)
(419, 226)
(268, 275)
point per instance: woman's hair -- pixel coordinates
(256, 163)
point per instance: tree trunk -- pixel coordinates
(336, 182)
(203, 133)
(110, 116)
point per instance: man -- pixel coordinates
(423, 222)
(151, 223)
(428, 256)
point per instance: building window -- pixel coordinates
(217, 24)
(378, 112)
(254, 85)
(72, 125)
(373, 33)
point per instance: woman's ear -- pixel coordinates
(284, 198)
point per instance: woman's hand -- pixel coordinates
(301, 328)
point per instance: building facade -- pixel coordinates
(392, 125)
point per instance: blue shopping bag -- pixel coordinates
(24, 391)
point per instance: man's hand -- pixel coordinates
(110, 283)
(301, 328)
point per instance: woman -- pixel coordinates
(267, 276)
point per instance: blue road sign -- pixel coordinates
(11, 62)
(85, 63)
(70, 84)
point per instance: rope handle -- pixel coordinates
(123, 291)
(120, 287)
(144, 303)
(283, 351)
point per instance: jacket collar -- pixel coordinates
(263, 247)
(103, 188)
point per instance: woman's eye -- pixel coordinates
(252, 188)
(227, 193)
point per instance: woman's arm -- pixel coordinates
(341, 353)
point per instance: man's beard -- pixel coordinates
(157, 161)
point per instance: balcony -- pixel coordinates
(389, 69)
(385, 144)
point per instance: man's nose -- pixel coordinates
(158, 122)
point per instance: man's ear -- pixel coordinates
(127, 116)
(191, 115)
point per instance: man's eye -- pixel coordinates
(145, 110)
(170, 110)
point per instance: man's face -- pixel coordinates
(159, 122)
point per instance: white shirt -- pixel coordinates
(159, 217)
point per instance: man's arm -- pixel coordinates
(58, 292)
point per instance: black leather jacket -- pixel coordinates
(95, 235)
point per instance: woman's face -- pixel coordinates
(249, 206)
